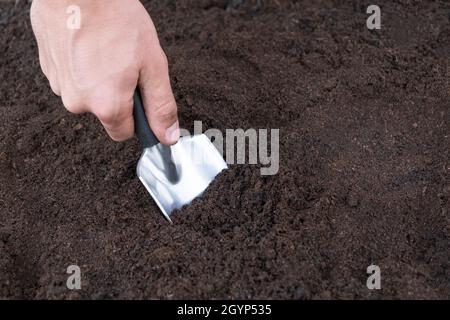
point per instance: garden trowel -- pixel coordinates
(174, 175)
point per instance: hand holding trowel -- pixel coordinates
(94, 66)
(174, 175)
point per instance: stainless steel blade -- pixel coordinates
(176, 175)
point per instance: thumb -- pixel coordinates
(159, 102)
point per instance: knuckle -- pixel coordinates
(164, 61)
(56, 91)
(109, 106)
(43, 64)
(54, 86)
(158, 64)
(106, 114)
(117, 138)
(72, 102)
(52, 78)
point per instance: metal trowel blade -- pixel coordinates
(176, 175)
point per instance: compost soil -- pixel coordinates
(364, 160)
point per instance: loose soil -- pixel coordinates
(364, 165)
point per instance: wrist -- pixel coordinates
(92, 12)
(54, 6)
(65, 3)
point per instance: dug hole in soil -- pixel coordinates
(364, 160)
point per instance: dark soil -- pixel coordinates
(364, 119)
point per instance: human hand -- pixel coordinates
(97, 67)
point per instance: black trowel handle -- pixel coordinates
(141, 126)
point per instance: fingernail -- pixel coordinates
(173, 133)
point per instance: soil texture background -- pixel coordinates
(364, 119)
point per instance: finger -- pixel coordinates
(53, 81)
(43, 59)
(37, 27)
(47, 67)
(159, 102)
(115, 112)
